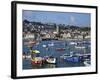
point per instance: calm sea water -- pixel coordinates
(51, 51)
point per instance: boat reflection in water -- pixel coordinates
(39, 66)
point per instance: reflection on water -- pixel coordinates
(38, 66)
(59, 64)
(51, 49)
(28, 65)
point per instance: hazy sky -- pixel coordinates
(69, 18)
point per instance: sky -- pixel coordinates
(68, 18)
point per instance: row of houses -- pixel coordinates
(67, 35)
(38, 30)
(75, 36)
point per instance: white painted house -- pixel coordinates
(29, 36)
(66, 35)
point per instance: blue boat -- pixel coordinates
(71, 58)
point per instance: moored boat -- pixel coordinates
(73, 43)
(60, 49)
(87, 62)
(80, 47)
(26, 56)
(52, 44)
(49, 59)
(71, 58)
(30, 42)
(44, 46)
(36, 60)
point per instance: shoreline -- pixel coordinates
(64, 39)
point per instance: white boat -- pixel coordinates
(73, 43)
(87, 63)
(64, 56)
(44, 46)
(80, 47)
(51, 60)
(26, 56)
(52, 44)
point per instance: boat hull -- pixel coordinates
(73, 59)
(36, 60)
(51, 61)
(60, 49)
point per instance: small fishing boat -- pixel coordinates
(36, 60)
(87, 62)
(80, 47)
(60, 49)
(86, 42)
(44, 46)
(52, 44)
(87, 56)
(64, 56)
(30, 42)
(73, 43)
(71, 58)
(35, 51)
(26, 56)
(51, 60)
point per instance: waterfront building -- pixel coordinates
(87, 37)
(29, 36)
(80, 37)
(67, 36)
(47, 35)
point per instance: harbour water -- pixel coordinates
(50, 50)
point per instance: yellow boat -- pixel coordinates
(35, 51)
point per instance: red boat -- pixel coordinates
(60, 49)
(36, 60)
